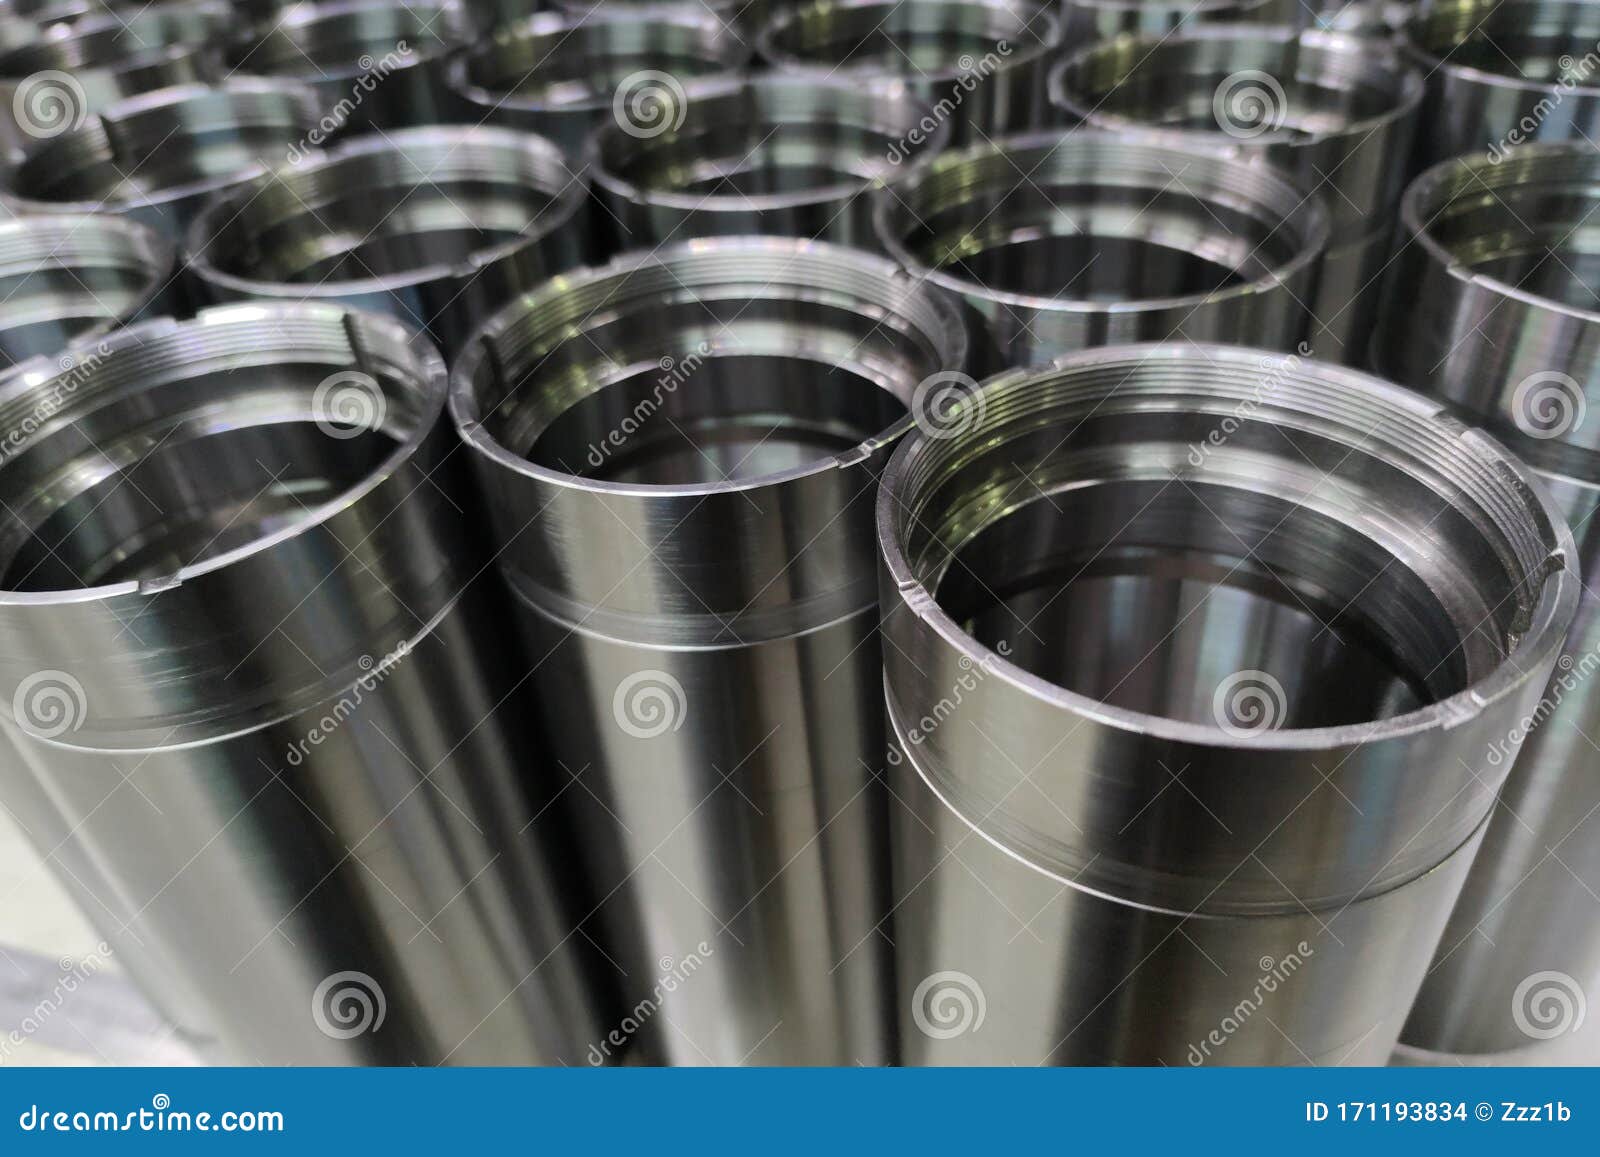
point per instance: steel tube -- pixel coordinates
(779, 155)
(158, 156)
(562, 76)
(1085, 21)
(1334, 111)
(77, 277)
(1101, 245)
(437, 227)
(244, 655)
(980, 64)
(679, 451)
(49, 84)
(1283, 581)
(367, 63)
(1503, 74)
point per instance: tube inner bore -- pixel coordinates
(923, 40)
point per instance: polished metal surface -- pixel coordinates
(1491, 302)
(55, 79)
(1084, 21)
(248, 658)
(564, 77)
(1502, 73)
(1062, 241)
(77, 277)
(785, 155)
(1349, 295)
(978, 64)
(367, 63)
(679, 450)
(158, 156)
(1305, 606)
(1334, 111)
(436, 226)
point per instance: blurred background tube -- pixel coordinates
(1224, 824)
(680, 450)
(252, 685)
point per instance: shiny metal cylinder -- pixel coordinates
(1084, 21)
(368, 63)
(979, 64)
(1502, 74)
(158, 156)
(1285, 582)
(564, 77)
(743, 16)
(246, 655)
(1490, 302)
(437, 227)
(679, 450)
(781, 155)
(1336, 112)
(65, 278)
(47, 86)
(1108, 241)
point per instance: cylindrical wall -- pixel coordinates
(250, 665)
(1304, 608)
(680, 451)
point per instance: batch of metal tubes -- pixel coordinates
(811, 532)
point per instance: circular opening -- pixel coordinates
(397, 207)
(1262, 85)
(324, 42)
(1098, 223)
(774, 140)
(704, 366)
(1340, 556)
(556, 63)
(62, 277)
(184, 442)
(923, 41)
(1534, 42)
